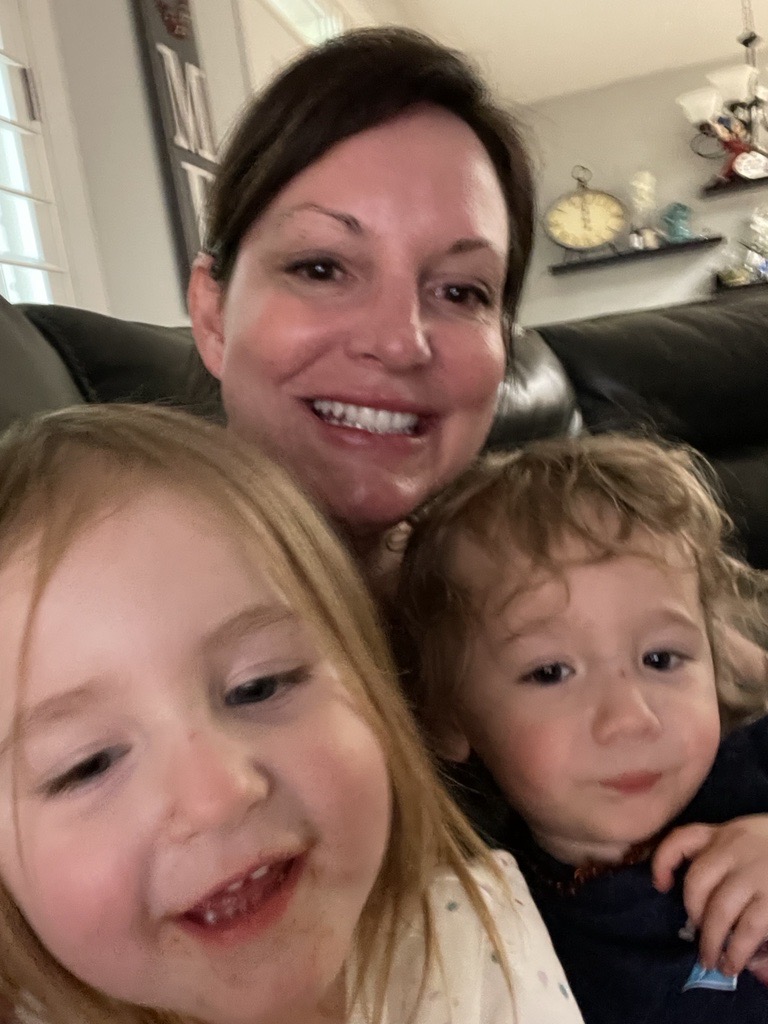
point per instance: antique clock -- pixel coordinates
(585, 219)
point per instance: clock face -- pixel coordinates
(585, 219)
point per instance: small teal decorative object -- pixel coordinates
(676, 221)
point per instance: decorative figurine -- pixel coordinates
(676, 222)
(733, 135)
(757, 231)
(643, 188)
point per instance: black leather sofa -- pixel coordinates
(696, 373)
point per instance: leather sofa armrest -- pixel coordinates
(118, 360)
(536, 398)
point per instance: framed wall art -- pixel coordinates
(178, 98)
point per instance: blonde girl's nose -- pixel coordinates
(212, 783)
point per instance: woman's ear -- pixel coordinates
(205, 301)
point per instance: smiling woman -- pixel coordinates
(369, 232)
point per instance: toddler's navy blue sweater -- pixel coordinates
(617, 937)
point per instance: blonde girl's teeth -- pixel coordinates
(258, 873)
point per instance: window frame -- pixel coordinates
(84, 284)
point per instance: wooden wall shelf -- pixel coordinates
(716, 187)
(722, 289)
(632, 255)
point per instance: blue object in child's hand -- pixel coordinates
(700, 977)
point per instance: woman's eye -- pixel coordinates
(469, 295)
(316, 270)
(85, 771)
(264, 688)
(549, 674)
(662, 661)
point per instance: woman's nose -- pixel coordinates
(624, 712)
(212, 784)
(392, 330)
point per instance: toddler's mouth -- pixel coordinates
(251, 899)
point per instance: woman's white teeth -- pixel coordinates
(363, 417)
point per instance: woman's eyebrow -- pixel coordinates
(463, 245)
(348, 221)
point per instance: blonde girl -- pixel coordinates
(215, 805)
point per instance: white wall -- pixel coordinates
(616, 131)
(267, 42)
(99, 49)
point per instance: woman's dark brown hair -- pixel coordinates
(354, 82)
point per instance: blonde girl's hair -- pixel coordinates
(58, 475)
(600, 490)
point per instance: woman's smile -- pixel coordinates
(373, 420)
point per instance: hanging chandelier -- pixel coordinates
(731, 114)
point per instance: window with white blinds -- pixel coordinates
(313, 20)
(32, 265)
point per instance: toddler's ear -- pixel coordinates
(451, 742)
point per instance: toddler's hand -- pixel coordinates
(725, 888)
(758, 965)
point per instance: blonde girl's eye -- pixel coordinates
(88, 770)
(265, 688)
(549, 674)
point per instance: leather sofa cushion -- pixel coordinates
(696, 373)
(122, 361)
(33, 375)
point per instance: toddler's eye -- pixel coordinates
(549, 674)
(662, 661)
(85, 771)
(263, 688)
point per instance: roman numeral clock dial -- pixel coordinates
(585, 219)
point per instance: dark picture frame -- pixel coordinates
(178, 99)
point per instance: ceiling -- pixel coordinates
(545, 48)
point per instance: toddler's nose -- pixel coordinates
(624, 711)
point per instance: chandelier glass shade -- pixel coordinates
(731, 113)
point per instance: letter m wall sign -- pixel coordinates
(179, 103)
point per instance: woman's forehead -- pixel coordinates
(424, 159)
